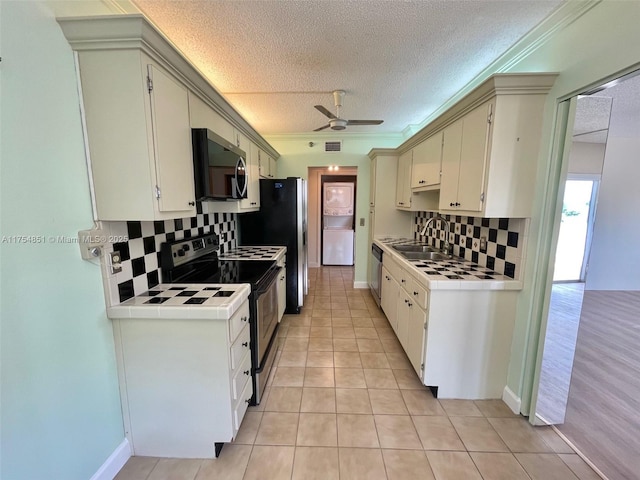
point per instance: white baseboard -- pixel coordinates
(360, 285)
(114, 463)
(511, 399)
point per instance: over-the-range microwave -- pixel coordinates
(219, 167)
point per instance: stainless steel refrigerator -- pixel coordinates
(282, 220)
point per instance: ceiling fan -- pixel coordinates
(337, 123)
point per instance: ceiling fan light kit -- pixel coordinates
(337, 123)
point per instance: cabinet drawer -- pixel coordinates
(241, 406)
(239, 320)
(240, 348)
(241, 376)
(418, 293)
(394, 268)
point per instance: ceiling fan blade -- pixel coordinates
(326, 112)
(364, 122)
(322, 128)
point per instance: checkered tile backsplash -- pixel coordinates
(506, 240)
(141, 252)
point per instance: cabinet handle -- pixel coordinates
(415, 293)
(247, 372)
(406, 301)
(245, 344)
(410, 304)
(248, 401)
(457, 204)
(422, 181)
(244, 319)
(192, 204)
(452, 204)
(402, 281)
(254, 203)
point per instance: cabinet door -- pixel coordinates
(403, 184)
(427, 159)
(405, 309)
(450, 166)
(416, 335)
(172, 142)
(473, 155)
(389, 298)
(272, 167)
(372, 184)
(263, 164)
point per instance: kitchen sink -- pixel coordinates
(414, 248)
(413, 255)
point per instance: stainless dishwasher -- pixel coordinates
(376, 272)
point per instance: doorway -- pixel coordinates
(314, 206)
(576, 228)
(338, 195)
(588, 383)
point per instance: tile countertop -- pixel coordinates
(187, 301)
(254, 253)
(451, 274)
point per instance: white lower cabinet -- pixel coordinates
(458, 341)
(389, 297)
(185, 384)
(404, 304)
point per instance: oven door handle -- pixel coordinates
(272, 275)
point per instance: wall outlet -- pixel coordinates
(483, 244)
(115, 262)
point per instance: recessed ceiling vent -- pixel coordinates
(333, 147)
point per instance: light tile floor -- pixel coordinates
(344, 403)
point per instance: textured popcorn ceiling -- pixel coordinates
(397, 60)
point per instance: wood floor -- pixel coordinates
(603, 410)
(559, 348)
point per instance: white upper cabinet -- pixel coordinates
(406, 198)
(141, 99)
(451, 147)
(266, 165)
(427, 157)
(482, 153)
(490, 153)
(139, 137)
(203, 116)
(465, 167)
(403, 181)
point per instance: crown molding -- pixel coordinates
(393, 138)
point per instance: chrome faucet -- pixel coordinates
(447, 228)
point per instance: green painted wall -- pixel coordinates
(297, 157)
(60, 407)
(602, 42)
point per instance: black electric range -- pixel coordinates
(195, 260)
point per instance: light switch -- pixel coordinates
(362, 222)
